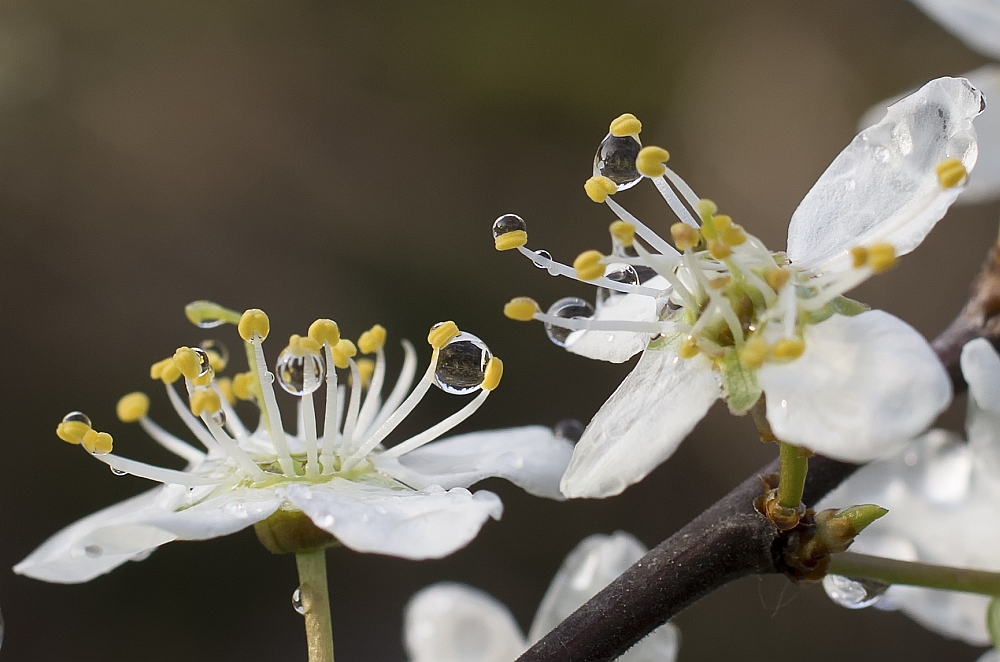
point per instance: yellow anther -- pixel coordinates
(243, 385)
(754, 352)
(156, 370)
(599, 188)
(225, 385)
(494, 371)
(188, 362)
(624, 233)
(366, 368)
(729, 232)
(325, 331)
(688, 348)
(204, 380)
(588, 265)
(706, 208)
(342, 352)
(685, 236)
(72, 432)
(302, 345)
(372, 340)
(216, 360)
(522, 309)
(719, 250)
(722, 222)
(208, 314)
(99, 443)
(776, 277)
(442, 333)
(720, 282)
(205, 401)
(510, 240)
(650, 160)
(859, 257)
(788, 348)
(254, 322)
(132, 407)
(625, 125)
(881, 257)
(168, 371)
(951, 173)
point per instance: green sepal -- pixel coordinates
(993, 621)
(840, 306)
(742, 389)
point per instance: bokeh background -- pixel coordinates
(346, 159)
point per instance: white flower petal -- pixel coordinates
(864, 386)
(229, 512)
(456, 623)
(951, 614)
(976, 22)
(981, 369)
(531, 457)
(427, 524)
(641, 424)
(618, 346)
(883, 186)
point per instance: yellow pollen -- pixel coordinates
(342, 352)
(225, 385)
(510, 240)
(366, 368)
(685, 236)
(625, 125)
(494, 371)
(720, 282)
(706, 208)
(215, 360)
(243, 385)
(951, 173)
(132, 407)
(188, 362)
(688, 348)
(859, 257)
(97, 442)
(441, 334)
(254, 322)
(204, 380)
(623, 232)
(72, 432)
(588, 265)
(730, 232)
(754, 352)
(372, 340)
(881, 257)
(156, 370)
(650, 160)
(719, 250)
(522, 309)
(205, 401)
(302, 345)
(776, 277)
(325, 331)
(722, 222)
(599, 188)
(788, 348)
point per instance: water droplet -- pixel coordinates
(567, 308)
(269, 377)
(118, 472)
(219, 417)
(508, 223)
(618, 273)
(217, 347)
(543, 253)
(204, 364)
(853, 593)
(297, 604)
(77, 417)
(300, 372)
(570, 429)
(93, 551)
(615, 159)
(461, 364)
(143, 555)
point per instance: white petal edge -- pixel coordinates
(531, 457)
(449, 622)
(229, 512)
(975, 22)
(863, 387)
(642, 423)
(427, 524)
(619, 346)
(883, 186)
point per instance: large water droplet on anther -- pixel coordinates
(615, 159)
(461, 364)
(569, 428)
(300, 373)
(618, 273)
(217, 347)
(567, 308)
(77, 417)
(204, 364)
(853, 593)
(297, 604)
(508, 223)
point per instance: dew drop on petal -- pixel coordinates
(143, 555)
(615, 159)
(569, 428)
(618, 273)
(93, 551)
(298, 373)
(461, 364)
(542, 253)
(567, 308)
(297, 604)
(77, 417)
(853, 593)
(508, 223)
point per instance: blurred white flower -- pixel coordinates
(942, 495)
(726, 317)
(450, 622)
(408, 500)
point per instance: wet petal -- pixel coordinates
(229, 512)
(864, 386)
(976, 22)
(426, 524)
(642, 423)
(532, 458)
(618, 346)
(456, 623)
(981, 368)
(883, 186)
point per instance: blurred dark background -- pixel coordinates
(346, 160)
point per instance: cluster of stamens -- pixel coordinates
(356, 421)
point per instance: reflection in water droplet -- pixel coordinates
(461, 365)
(618, 273)
(77, 417)
(204, 365)
(219, 417)
(297, 604)
(508, 223)
(217, 347)
(853, 593)
(542, 253)
(615, 159)
(567, 308)
(570, 429)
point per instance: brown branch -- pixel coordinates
(731, 540)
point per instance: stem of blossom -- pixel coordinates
(794, 466)
(316, 603)
(912, 573)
